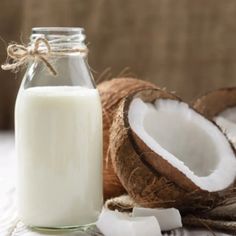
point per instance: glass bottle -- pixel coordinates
(58, 125)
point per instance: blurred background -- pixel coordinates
(186, 46)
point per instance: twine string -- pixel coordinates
(19, 55)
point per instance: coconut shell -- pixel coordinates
(215, 102)
(112, 92)
(149, 179)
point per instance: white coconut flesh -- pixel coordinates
(168, 218)
(227, 121)
(114, 223)
(186, 140)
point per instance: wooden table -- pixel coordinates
(10, 225)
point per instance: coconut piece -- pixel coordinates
(168, 219)
(220, 106)
(168, 155)
(227, 124)
(112, 92)
(215, 102)
(114, 223)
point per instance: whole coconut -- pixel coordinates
(112, 92)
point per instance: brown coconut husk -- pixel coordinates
(112, 92)
(123, 203)
(150, 180)
(216, 225)
(215, 102)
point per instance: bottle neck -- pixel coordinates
(60, 37)
(69, 68)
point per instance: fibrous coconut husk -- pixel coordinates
(123, 203)
(112, 92)
(213, 103)
(218, 225)
(148, 178)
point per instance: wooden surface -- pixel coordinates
(187, 46)
(10, 225)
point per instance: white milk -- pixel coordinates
(59, 148)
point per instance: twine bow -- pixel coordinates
(19, 55)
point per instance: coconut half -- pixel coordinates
(165, 151)
(186, 140)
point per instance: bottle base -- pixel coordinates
(62, 228)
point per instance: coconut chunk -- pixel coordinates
(186, 140)
(168, 219)
(114, 223)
